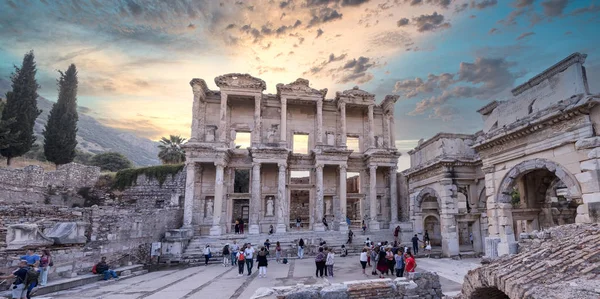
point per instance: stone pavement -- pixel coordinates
(218, 282)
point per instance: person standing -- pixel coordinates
(249, 254)
(415, 244)
(234, 250)
(277, 251)
(18, 289)
(364, 227)
(261, 260)
(320, 262)
(207, 254)
(363, 259)
(382, 266)
(301, 249)
(426, 236)
(399, 257)
(298, 222)
(237, 227)
(241, 226)
(374, 259)
(330, 261)
(325, 223)
(226, 255)
(389, 256)
(241, 260)
(350, 236)
(410, 263)
(396, 233)
(471, 238)
(45, 264)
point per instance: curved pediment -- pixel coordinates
(355, 92)
(300, 87)
(243, 81)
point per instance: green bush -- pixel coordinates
(111, 161)
(128, 177)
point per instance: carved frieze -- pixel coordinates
(300, 87)
(243, 81)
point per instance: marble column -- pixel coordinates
(392, 131)
(196, 118)
(281, 200)
(343, 121)
(374, 224)
(216, 229)
(283, 125)
(257, 120)
(319, 121)
(393, 196)
(386, 131)
(371, 127)
(342, 190)
(255, 202)
(318, 221)
(190, 189)
(223, 119)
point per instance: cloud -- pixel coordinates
(553, 8)
(523, 3)
(445, 113)
(140, 127)
(525, 35)
(316, 69)
(430, 22)
(319, 33)
(83, 109)
(323, 15)
(593, 8)
(355, 70)
(402, 22)
(353, 2)
(440, 3)
(412, 88)
(483, 4)
(494, 31)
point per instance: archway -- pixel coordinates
(488, 293)
(431, 225)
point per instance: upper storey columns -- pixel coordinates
(283, 125)
(342, 108)
(319, 121)
(371, 126)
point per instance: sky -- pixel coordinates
(445, 58)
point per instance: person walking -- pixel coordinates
(207, 254)
(320, 262)
(374, 259)
(234, 250)
(241, 260)
(364, 227)
(249, 254)
(277, 251)
(410, 263)
(396, 233)
(325, 223)
(330, 261)
(415, 244)
(389, 256)
(363, 259)
(426, 236)
(382, 266)
(350, 236)
(226, 255)
(261, 260)
(301, 249)
(399, 257)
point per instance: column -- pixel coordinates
(392, 131)
(318, 221)
(255, 202)
(374, 224)
(393, 197)
(343, 121)
(216, 229)
(257, 120)
(320, 121)
(342, 189)
(223, 118)
(449, 229)
(283, 125)
(281, 200)
(190, 188)
(371, 128)
(386, 130)
(196, 118)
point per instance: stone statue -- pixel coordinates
(272, 133)
(209, 208)
(330, 138)
(270, 207)
(210, 133)
(379, 206)
(328, 207)
(378, 141)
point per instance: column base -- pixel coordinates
(374, 225)
(319, 227)
(343, 226)
(254, 229)
(215, 230)
(280, 228)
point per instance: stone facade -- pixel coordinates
(296, 133)
(446, 192)
(148, 192)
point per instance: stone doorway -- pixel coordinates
(300, 207)
(240, 210)
(353, 211)
(465, 229)
(433, 228)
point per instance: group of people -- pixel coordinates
(244, 256)
(385, 258)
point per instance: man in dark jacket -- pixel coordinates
(103, 268)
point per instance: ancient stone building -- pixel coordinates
(539, 151)
(269, 159)
(447, 196)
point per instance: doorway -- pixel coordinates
(300, 208)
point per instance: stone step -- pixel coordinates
(79, 280)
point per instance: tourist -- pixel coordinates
(261, 260)
(350, 236)
(241, 260)
(426, 236)
(249, 254)
(389, 255)
(330, 261)
(471, 238)
(382, 265)
(45, 264)
(364, 227)
(103, 268)
(325, 223)
(226, 255)
(271, 229)
(267, 245)
(320, 262)
(427, 248)
(32, 278)
(344, 251)
(363, 259)
(234, 250)
(298, 222)
(415, 244)
(395, 248)
(374, 258)
(368, 242)
(30, 257)
(207, 254)
(301, 249)
(241, 226)
(18, 289)
(399, 257)
(396, 232)
(348, 220)
(277, 251)
(409, 262)
(237, 227)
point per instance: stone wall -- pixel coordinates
(417, 285)
(149, 193)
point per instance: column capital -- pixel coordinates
(372, 167)
(282, 166)
(256, 164)
(319, 166)
(223, 96)
(341, 105)
(221, 164)
(343, 167)
(394, 169)
(283, 100)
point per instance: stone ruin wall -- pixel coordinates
(149, 193)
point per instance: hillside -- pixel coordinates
(94, 137)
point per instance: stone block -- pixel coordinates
(592, 164)
(26, 235)
(594, 153)
(594, 212)
(592, 197)
(585, 143)
(334, 291)
(68, 233)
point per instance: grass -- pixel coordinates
(20, 162)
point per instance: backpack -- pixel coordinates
(31, 277)
(241, 257)
(285, 261)
(94, 270)
(226, 249)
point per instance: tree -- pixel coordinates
(60, 134)
(170, 150)
(111, 161)
(21, 106)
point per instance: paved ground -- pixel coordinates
(218, 282)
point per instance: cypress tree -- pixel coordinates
(60, 134)
(20, 111)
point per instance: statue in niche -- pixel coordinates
(270, 206)
(209, 208)
(210, 133)
(328, 207)
(330, 138)
(272, 133)
(379, 206)
(378, 141)
(232, 135)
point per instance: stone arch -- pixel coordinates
(482, 200)
(423, 194)
(509, 180)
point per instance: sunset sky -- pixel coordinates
(444, 58)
